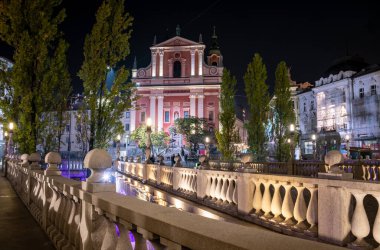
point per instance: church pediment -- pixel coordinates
(177, 41)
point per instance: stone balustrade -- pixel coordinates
(362, 170)
(91, 215)
(330, 210)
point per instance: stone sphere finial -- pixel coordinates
(34, 159)
(333, 157)
(24, 160)
(53, 158)
(98, 160)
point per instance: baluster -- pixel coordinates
(312, 210)
(287, 205)
(218, 188)
(213, 187)
(257, 198)
(223, 192)
(374, 174)
(376, 224)
(230, 191)
(360, 224)
(276, 202)
(208, 186)
(124, 241)
(300, 208)
(235, 194)
(368, 173)
(267, 199)
(364, 172)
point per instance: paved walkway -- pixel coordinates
(18, 229)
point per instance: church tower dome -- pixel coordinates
(214, 57)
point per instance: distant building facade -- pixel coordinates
(344, 101)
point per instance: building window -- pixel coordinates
(68, 128)
(361, 92)
(127, 114)
(127, 127)
(211, 116)
(373, 90)
(304, 107)
(186, 114)
(167, 116)
(344, 96)
(312, 105)
(142, 117)
(177, 69)
(308, 147)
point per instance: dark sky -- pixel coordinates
(308, 36)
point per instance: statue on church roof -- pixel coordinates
(178, 30)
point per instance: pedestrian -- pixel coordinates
(182, 151)
(172, 158)
(186, 159)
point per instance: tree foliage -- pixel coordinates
(193, 128)
(159, 139)
(283, 111)
(228, 134)
(104, 48)
(256, 90)
(31, 28)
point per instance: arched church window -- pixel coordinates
(177, 69)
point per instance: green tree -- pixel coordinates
(228, 134)
(54, 120)
(194, 129)
(283, 111)
(104, 48)
(31, 28)
(256, 90)
(159, 139)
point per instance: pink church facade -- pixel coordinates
(178, 83)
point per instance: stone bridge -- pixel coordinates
(92, 215)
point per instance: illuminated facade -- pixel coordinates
(346, 101)
(178, 83)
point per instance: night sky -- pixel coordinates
(308, 36)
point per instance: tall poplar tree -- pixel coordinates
(258, 100)
(31, 28)
(105, 47)
(283, 111)
(228, 134)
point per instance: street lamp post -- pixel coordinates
(207, 142)
(347, 138)
(118, 138)
(148, 143)
(10, 140)
(314, 138)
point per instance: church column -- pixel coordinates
(161, 63)
(200, 62)
(192, 105)
(160, 111)
(154, 63)
(153, 110)
(192, 53)
(200, 105)
(133, 117)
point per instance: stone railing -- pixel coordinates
(362, 170)
(328, 210)
(91, 215)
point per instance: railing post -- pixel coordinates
(245, 193)
(201, 184)
(52, 159)
(34, 160)
(98, 160)
(333, 207)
